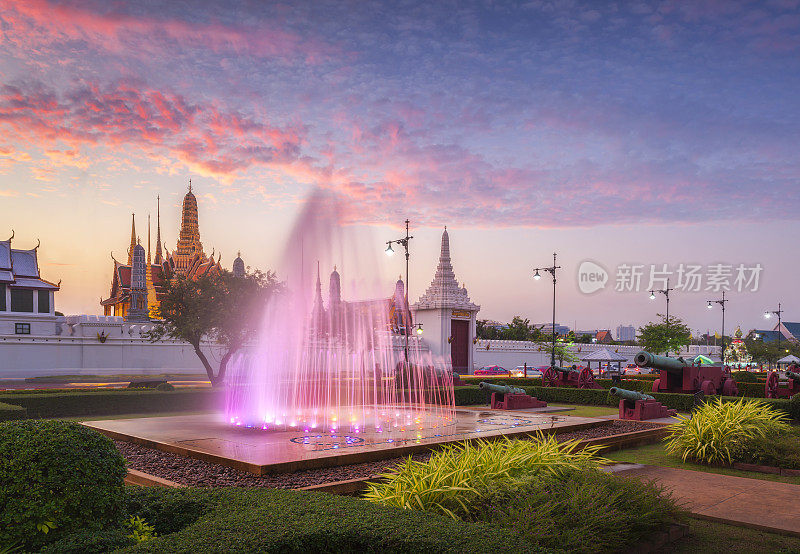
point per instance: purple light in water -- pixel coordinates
(336, 354)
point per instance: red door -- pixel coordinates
(459, 347)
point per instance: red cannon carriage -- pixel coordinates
(773, 388)
(569, 377)
(676, 375)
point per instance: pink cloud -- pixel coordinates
(32, 22)
(163, 125)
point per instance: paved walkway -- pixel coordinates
(755, 503)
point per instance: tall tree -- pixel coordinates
(668, 336)
(220, 308)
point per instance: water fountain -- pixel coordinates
(329, 382)
(337, 364)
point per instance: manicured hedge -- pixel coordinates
(259, 520)
(751, 390)
(11, 411)
(466, 396)
(471, 396)
(112, 402)
(59, 474)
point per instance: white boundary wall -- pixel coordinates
(511, 353)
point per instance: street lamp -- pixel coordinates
(768, 314)
(665, 292)
(552, 271)
(389, 251)
(722, 304)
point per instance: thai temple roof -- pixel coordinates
(20, 268)
(444, 291)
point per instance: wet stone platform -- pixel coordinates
(208, 437)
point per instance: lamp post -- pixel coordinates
(552, 271)
(722, 304)
(665, 292)
(768, 314)
(389, 252)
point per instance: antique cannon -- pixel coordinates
(630, 394)
(505, 397)
(678, 375)
(773, 388)
(569, 377)
(502, 389)
(638, 406)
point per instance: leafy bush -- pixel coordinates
(264, 520)
(90, 542)
(721, 432)
(40, 404)
(580, 511)
(744, 377)
(167, 510)
(165, 387)
(10, 412)
(461, 474)
(794, 407)
(752, 390)
(57, 477)
(775, 449)
(470, 396)
(140, 530)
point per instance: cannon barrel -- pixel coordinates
(646, 359)
(630, 394)
(502, 389)
(793, 375)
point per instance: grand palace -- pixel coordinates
(187, 260)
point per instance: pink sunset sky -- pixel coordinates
(626, 133)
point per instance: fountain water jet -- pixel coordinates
(337, 366)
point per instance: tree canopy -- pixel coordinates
(220, 308)
(668, 336)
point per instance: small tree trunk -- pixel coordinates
(223, 363)
(215, 381)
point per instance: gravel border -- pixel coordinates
(199, 473)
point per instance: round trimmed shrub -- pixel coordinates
(165, 387)
(57, 478)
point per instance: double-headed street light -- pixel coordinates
(721, 302)
(389, 252)
(769, 313)
(536, 275)
(665, 291)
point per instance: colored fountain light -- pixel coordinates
(336, 364)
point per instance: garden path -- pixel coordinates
(754, 503)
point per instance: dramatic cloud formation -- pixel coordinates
(544, 114)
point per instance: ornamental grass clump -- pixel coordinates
(461, 474)
(723, 432)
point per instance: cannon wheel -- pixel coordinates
(771, 387)
(656, 384)
(585, 379)
(729, 388)
(549, 377)
(708, 388)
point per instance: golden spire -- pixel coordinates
(159, 255)
(149, 259)
(133, 239)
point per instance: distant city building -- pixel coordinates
(548, 328)
(626, 333)
(788, 331)
(604, 337)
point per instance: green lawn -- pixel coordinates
(655, 455)
(718, 538)
(580, 410)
